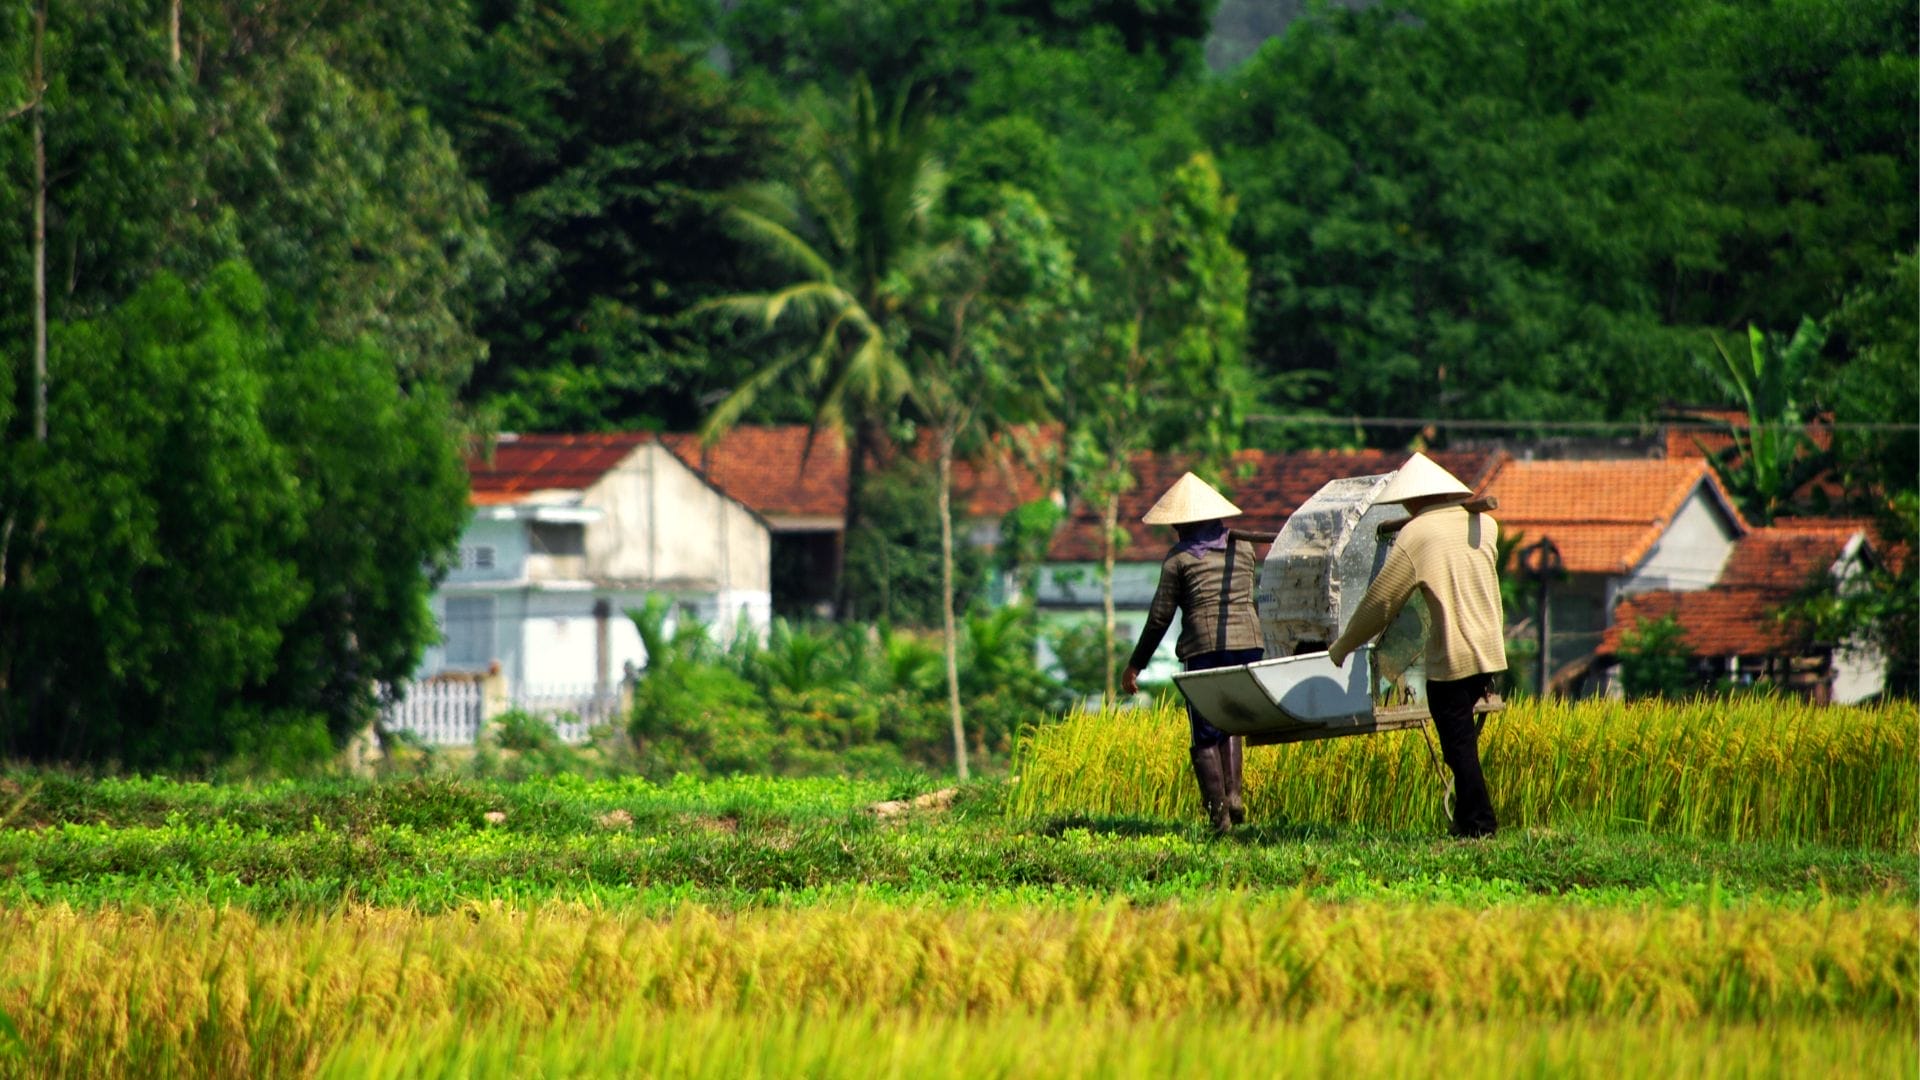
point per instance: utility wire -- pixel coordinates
(1647, 426)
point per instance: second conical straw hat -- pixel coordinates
(1189, 499)
(1421, 477)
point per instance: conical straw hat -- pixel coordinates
(1189, 499)
(1420, 477)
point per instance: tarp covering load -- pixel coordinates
(1318, 570)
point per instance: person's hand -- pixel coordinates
(1130, 681)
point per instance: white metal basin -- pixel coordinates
(1281, 694)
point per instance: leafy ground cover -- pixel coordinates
(431, 846)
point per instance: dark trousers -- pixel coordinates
(1451, 703)
(1205, 734)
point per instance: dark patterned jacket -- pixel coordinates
(1211, 619)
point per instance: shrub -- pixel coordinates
(1655, 661)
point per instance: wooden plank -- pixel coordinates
(1387, 718)
(1481, 505)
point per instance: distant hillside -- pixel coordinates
(1240, 27)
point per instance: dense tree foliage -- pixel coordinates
(601, 150)
(1535, 210)
(293, 249)
(218, 550)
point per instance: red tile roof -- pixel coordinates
(1787, 559)
(1010, 476)
(1720, 621)
(1736, 617)
(523, 464)
(1268, 485)
(771, 469)
(1605, 516)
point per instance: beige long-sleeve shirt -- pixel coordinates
(1449, 554)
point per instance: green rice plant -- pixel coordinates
(219, 992)
(1752, 768)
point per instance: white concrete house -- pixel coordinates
(569, 533)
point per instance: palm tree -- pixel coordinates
(848, 233)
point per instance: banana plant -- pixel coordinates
(1771, 457)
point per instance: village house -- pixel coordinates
(1621, 528)
(796, 480)
(1734, 629)
(569, 533)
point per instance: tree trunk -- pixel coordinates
(39, 225)
(1109, 521)
(946, 604)
(859, 443)
(173, 34)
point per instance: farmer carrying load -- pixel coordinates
(1207, 576)
(1448, 553)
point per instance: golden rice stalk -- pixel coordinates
(1741, 769)
(228, 993)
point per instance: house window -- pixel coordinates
(477, 558)
(469, 631)
(555, 538)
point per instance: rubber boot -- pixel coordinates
(1213, 785)
(1231, 763)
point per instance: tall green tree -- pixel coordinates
(383, 499)
(156, 582)
(230, 524)
(1541, 209)
(1166, 367)
(603, 149)
(337, 194)
(946, 45)
(984, 323)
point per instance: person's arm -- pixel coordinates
(1166, 601)
(1386, 594)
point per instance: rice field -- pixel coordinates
(1687, 891)
(215, 991)
(1740, 770)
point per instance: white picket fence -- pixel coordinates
(452, 712)
(439, 712)
(572, 710)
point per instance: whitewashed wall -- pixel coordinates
(1689, 554)
(1078, 584)
(664, 524)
